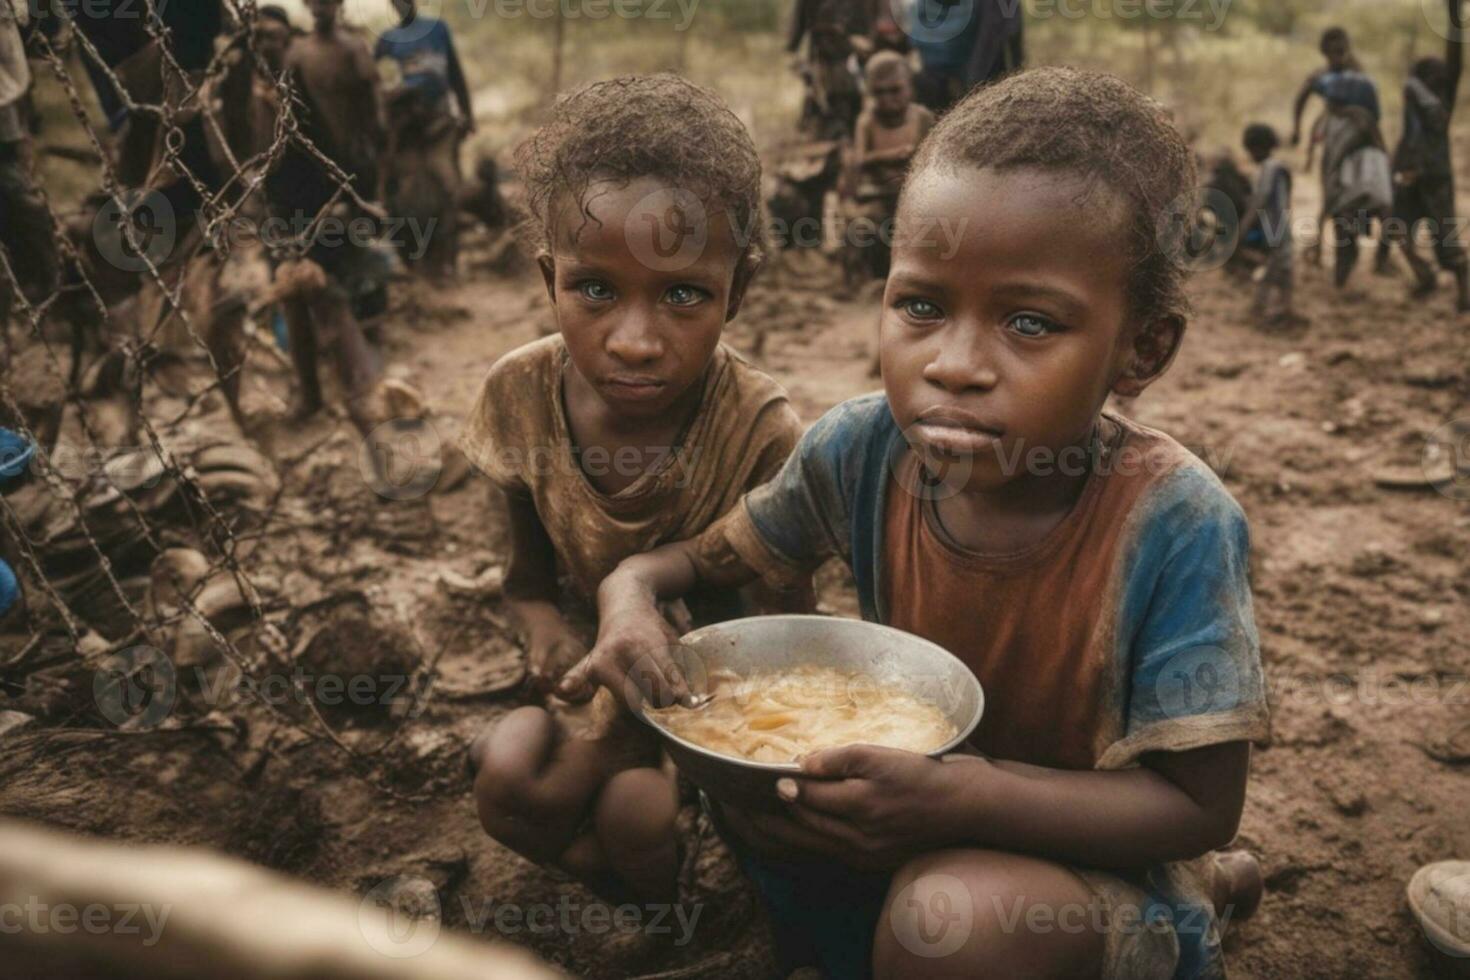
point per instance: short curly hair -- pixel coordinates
(1098, 128)
(635, 126)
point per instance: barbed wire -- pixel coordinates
(186, 96)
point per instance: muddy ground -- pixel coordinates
(1361, 599)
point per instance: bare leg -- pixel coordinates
(1424, 279)
(1346, 251)
(635, 825)
(988, 896)
(226, 340)
(1383, 260)
(536, 785)
(532, 788)
(356, 363)
(302, 332)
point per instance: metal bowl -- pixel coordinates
(770, 644)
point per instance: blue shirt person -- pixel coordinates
(424, 50)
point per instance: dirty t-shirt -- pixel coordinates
(425, 54)
(1127, 630)
(517, 435)
(1425, 145)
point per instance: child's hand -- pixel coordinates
(552, 646)
(882, 805)
(631, 657)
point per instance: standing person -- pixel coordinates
(424, 51)
(1270, 213)
(834, 97)
(332, 74)
(955, 56)
(422, 176)
(1424, 180)
(632, 426)
(1351, 135)
(25, 226)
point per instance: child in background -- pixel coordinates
(1270, 215)
(891, 126)
(1349, 126)
(1090, 571)
(331, 72)
(633, 427)
(424, 50)
(1424, 177)
(888, 133)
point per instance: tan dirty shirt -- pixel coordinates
(517, 434)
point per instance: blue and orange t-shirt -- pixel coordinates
(1127, 630)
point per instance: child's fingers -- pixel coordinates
(827, 828)
(577, 685)
(839, 763)
(653, 676)
(788, 832)
(839, 798)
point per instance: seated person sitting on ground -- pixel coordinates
(1091, 572)
(632, 427)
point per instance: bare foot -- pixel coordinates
(1238, 884)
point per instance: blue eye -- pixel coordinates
(920, 309)
(1031, 325)
(595, 290)
(684, 295)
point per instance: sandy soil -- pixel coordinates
(1361, 600)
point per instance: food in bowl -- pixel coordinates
(781, 716)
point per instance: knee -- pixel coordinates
(974, 913)
(507, 759)
(637, 809)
